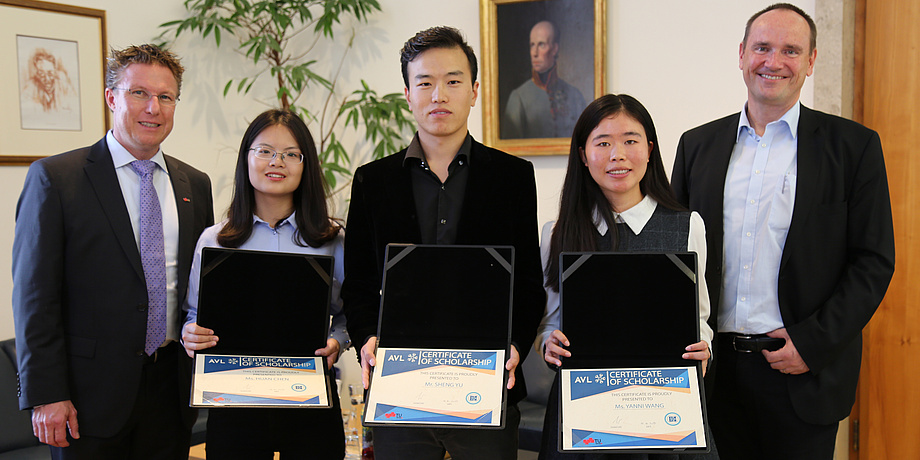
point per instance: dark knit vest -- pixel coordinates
(666, 231)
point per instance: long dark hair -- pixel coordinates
(575, 229)
(314, 226)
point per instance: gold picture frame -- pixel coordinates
(505, 27)
(60, 106)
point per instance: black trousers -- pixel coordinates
(752, 415)
(297, 433)
(549, 446)
(155, 430)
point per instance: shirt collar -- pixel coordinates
(415, 151)
(635, 217)
(290, 221)
(122, 157)
(790, 118)
(549, 82)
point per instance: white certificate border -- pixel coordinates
(320, 369)
(704, 437)
(370, 404)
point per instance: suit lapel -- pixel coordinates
(401, 200)
(478, 190)
(182, 193)
(807, 165)
(100, 170)
(724, 139)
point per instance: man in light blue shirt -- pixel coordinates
(800, 265)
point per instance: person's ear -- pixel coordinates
(110, 98)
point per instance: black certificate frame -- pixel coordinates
(243, 297)
(654, 288)
(424, 288)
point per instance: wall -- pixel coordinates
(679, 58)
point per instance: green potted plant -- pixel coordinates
(268, 32)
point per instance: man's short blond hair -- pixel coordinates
(141, 54)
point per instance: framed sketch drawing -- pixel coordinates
(54, 63)
(49, 75)
(542, 62)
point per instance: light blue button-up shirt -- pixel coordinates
(280, 239)
(757, 210)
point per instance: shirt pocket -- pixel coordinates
(783, 202)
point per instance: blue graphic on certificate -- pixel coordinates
(437, 387)
(636, 408)
(254, 381)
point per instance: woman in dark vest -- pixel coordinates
(615, 197)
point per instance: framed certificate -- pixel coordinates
(626, 387)
(243, 296)
(443, 335)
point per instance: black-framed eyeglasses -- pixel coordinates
(141, 95)
(268, 153)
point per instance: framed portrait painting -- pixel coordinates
(54, 63)
(542, 63)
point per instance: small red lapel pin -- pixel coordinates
(186, 200)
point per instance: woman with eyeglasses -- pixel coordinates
(278, 204)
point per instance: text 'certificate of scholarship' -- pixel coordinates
(259, 381)
(639, 408)
(437, 386)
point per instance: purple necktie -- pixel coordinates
(153, 256)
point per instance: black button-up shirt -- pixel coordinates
(438, 205)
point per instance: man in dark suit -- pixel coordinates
(801, 249)
(445, 188)
(101, 375)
